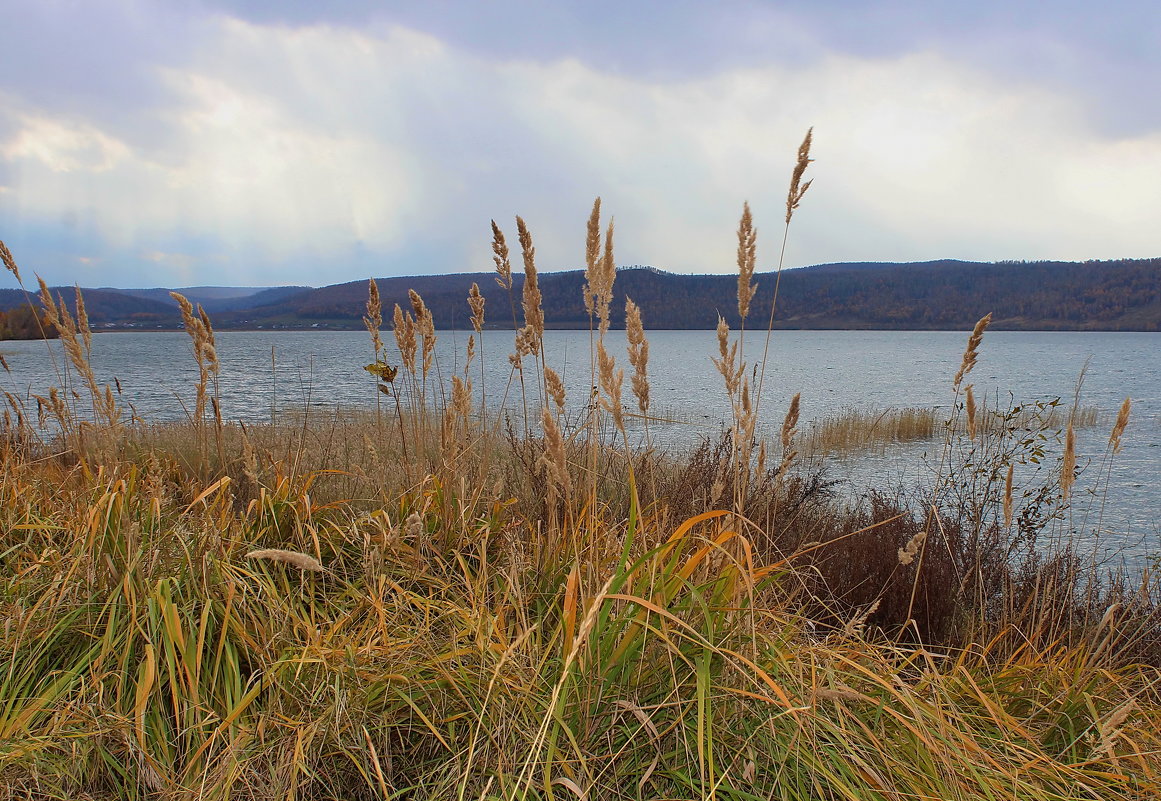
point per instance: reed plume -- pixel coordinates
(1008, 496)
(293, 558)
(500, 257)
(789, 429)
(747, 258)
(555, 388)
(592, 254)
(425, 326)
(533, 313)
(403, 326)
(970, 404)
(1120, 425)
(797, 188)
(972, 351)
(373, 319)
(554, 461)
(1068, 465)
(9, 262)
(476, 303)
(638, 354)
(611, 386)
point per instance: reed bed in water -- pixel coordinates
(433, 601)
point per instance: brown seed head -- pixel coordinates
(970, 354)
(1008, 497)
(1119, 426)
(476, 302)
(970, 404)
(555, 388)
(797, 188)
(500, 257)
(533, 313)
(9, 262)
(374, 317)
(747, 258)
(1068, 466)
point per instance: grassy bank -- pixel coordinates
(430, 601)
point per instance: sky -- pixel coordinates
(269, 142)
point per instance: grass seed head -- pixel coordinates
(797, 188)
(972, 351)
(1120, 425)
(747, 258)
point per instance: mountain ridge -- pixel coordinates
(1111, 295)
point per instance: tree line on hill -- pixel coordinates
(25, 322)
(1118, 295)
(1108, 295)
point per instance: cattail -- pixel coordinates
(476, 302)
(374, 317)
(9, 262)
(747, 258)
(414, 527)
(969, 355)
(1119, 426)
(907, 552)
(1008, 497)
(555, 388)
(554, 461)
(293, 558)
(1068, 466)
(798, 189)
(533, 313)
(971, 412)
(500, 257)
(638, 353)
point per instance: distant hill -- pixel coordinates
(220, 298)
(1118, 295)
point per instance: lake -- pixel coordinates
(264, 372)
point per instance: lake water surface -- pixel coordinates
(265, 371)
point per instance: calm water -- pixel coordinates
(266, 371)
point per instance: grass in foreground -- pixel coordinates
(426, 603)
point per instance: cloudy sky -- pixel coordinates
(266, 142)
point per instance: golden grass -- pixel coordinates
(430, 604)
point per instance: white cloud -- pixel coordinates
(282, 146)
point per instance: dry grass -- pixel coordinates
(422, 601)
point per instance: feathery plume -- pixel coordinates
(970, 404)
(970, 354)
(798, 189)
(404, 328)
(553, 461)
(747, 258)
(1119, 426)
(592, 254)
(611, 385)
(1068, 465)
(293, 558)
(476, 302)
(907, 552)
(638, 354)
(533, 313)
(374, 317)
(555, 388)
(1008, 497)
(9, 262)
(500, 257)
